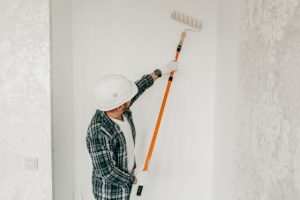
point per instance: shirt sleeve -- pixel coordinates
(103, 162)
(143, 84)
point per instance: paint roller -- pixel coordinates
(196, 26)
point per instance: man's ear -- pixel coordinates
(122, 107)
(119, 108)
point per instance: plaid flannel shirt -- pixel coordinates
(106, 144)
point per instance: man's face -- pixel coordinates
(125, 106)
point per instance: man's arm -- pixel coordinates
(143, 84)
(147, 80)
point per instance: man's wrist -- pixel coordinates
(154, 76)
(158, 72)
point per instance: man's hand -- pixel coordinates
(169, 67)
(166, 69)
(142, 177)
(135, 180)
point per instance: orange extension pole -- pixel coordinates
(162, 108)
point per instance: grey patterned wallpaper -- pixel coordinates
(25, 139)
(268, 136)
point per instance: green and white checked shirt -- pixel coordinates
(106, 144)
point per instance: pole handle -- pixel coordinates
(139, 191)
(149, 155)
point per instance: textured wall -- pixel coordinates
(268, 138)
(24, 99)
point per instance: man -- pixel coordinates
(111, 134)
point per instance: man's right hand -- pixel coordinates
(135, 180)
(169, 67)
(142, 177)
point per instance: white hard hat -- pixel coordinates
(112, 91)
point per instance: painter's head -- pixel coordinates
(114, 92)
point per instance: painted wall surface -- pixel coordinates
(225, 119)
(268, 136)
(62, 99)
(134, 38)
(25, 100)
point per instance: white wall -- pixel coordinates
(25, 121)
(228, 35)
(133, 38)
(62, 99)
